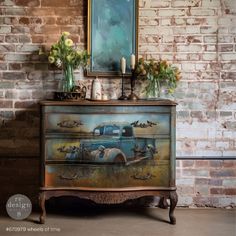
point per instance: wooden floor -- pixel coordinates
(117, 221)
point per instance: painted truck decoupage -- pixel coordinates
(134, 146)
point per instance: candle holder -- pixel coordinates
(132, 96)
(123, 96)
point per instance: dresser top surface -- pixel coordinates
(160, 102)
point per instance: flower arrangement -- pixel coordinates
(66, 55)
(158, 74)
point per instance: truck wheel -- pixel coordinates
(119, 159)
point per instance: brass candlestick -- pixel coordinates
(123, 96)
(132, 96)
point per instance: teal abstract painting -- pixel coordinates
(112, 34)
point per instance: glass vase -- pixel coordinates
(154, 90)
(68, 82)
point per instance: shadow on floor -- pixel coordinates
(80, 208)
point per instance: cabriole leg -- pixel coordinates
(163, 203)
(173, 203)
(42, 208)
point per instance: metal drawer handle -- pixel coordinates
(75, 176)
(138, 124)
(69, 124)
(80, 174)
(143, 177)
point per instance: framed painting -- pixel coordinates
(112, 34)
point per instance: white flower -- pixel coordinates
(58, 63)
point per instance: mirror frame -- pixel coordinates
(134, 43)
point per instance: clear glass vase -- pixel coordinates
(68, 82)
(154, 90)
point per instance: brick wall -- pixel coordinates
(206, 183)
(199, 36)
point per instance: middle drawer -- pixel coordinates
(115, 150)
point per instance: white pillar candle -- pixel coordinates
(123, 65)
(132, 61)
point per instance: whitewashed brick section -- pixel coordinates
(171, 12)
(159, 4)
(211, 3)
(186, 3)
(185, 181)
(203, 12)
(148, 13)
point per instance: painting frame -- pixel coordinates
(101, 62)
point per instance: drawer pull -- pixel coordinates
(138, 124)
(69, 124)
(75, 176)
(143, 177)
(79, 174)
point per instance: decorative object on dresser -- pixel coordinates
(108, 152)
(78, 93)
(122, 69)
(132, 95)
(66, 56)
(96, 93)
(160, 76)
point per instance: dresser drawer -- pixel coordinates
(148, 124)
(100, 150)
(107, 176)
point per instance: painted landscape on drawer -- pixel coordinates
(123, 139)
(108, 150)
(144, 173)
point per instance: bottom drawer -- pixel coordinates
(108, 176)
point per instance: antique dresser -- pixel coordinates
(108, 152)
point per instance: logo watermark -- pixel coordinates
(32, 229)
(19, 207)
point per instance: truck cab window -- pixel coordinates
(98, 131)
(112, 130)
(127, 131)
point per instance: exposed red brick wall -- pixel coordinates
(206, 183)
(199, 36)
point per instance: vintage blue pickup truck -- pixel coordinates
(113, 143)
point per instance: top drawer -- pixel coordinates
(143, 124)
